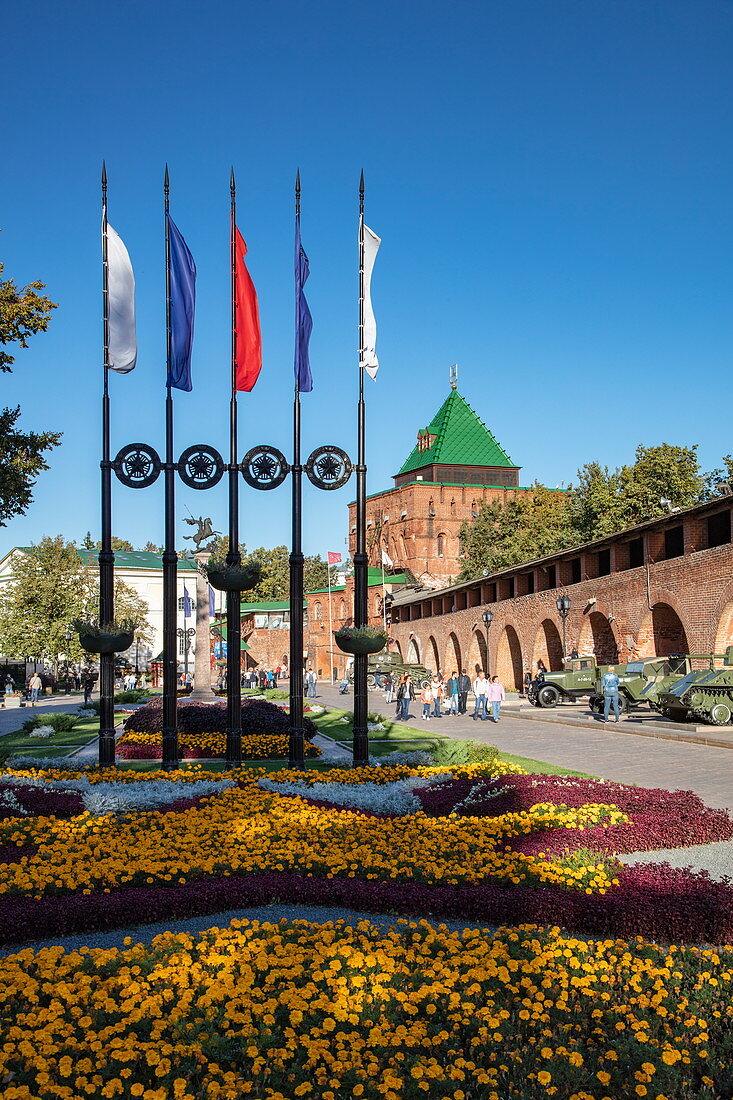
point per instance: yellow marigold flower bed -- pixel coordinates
(257, 746)
(278, 1011)
(247, 830)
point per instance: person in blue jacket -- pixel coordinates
(609, 686)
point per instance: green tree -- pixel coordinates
(153, 548)
(50, 587)
(315, 573)
(23, 312)
(88, 543)
(528, 526)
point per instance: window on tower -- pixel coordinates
(441, 546)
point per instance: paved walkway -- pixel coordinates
(12, 718)
(598, 750)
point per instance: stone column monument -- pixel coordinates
(202, 692)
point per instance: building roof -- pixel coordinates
(461, 439)
(127, 559)
(268, 605)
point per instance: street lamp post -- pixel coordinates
(563, 607)
(488, 617)
(186, 634)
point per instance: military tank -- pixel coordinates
(382, 663)
(702, 696)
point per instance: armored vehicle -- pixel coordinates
(576, 679)
(382, 663)
(704, 696)
(642, 681)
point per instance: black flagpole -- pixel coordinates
(170, 557)
(106, 557)
(234, 610)
(296, 748)
(361, 733)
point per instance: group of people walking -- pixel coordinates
(447, 696)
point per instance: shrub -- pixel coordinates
(61, 723)
(452, 752)
(258, 716)
(136, 695)
(275, 693)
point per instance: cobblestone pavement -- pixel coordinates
(598, 750)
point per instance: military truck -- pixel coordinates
(705, 695)
(576, 679)
(381, 663)
(642, 681)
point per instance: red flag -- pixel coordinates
(333, 559)
(248, 339)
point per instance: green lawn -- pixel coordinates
(56, 745)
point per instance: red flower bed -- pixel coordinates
(656, 902)
(12, 853)
(41, 802)
(659, 819)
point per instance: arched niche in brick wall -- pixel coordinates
(413, 652)
(477, 656)
(432, 655)
(548, 646)
(597, 637)
(395, 647)
(661, 632)
(509, 659)
(452, 661)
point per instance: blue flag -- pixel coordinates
(183, 303)
(303, 319)
(211, 602)
(186, 603)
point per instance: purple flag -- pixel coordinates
(183, 304)
(211, 602)
(303, 319)
(186, 603)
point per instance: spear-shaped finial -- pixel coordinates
(297, 193)
(232, 183)
(361, 186)
(104, 177)
(166, 182)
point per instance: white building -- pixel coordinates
(143, 572)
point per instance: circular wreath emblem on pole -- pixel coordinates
(328, 467)
(137, 465)
(264, 467)
(200, 466)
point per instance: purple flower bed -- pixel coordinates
(41, 802)
(258, 716)
(130, 750)
(654, 901)
(659, 819)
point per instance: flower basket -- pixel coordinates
(358, 644)
(230, 579)
(106, 643)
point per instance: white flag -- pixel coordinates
(368, 354)
(386, 559)
(121, 297)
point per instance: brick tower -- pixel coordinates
(455, 465)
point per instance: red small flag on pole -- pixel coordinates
(333, 559)
(248, 338)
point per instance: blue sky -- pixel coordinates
(552, 181)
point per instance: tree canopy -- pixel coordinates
(50, 587)
(23, 312)
(661, 480)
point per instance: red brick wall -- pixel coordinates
(691, 600)
(412, 542)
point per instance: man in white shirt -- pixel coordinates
(480, 691)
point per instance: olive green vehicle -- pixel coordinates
(382, 663)
(576, 679)
(705, 695)
(642, 681)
